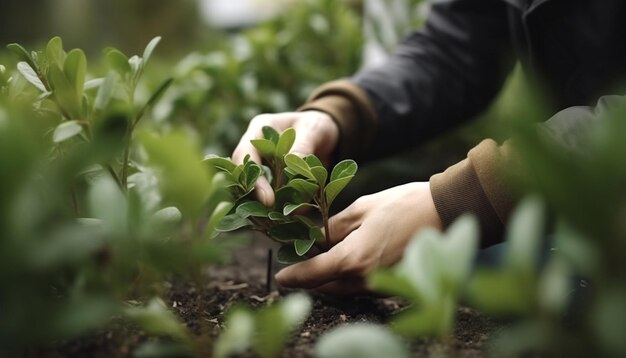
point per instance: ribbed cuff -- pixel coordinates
(350, 108)
(479, 185)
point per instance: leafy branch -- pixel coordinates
(297, 183)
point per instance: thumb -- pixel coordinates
(263, 192)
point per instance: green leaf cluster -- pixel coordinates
(297, 182)
(265, 331)
(93, 214)
(431, 274)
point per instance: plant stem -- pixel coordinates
(323, 208)
(115, 176)
(126, 162)
(268, 279)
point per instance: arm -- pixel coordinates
(485, 183)
(437, 78)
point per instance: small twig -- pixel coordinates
(268, 279)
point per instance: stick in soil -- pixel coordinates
(268, 279)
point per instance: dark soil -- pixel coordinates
(202, 308)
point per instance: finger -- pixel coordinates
(342, 224)
(264, 192)
(312, 138)
(312, 273)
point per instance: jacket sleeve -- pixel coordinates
(485, 183)
(439, 76)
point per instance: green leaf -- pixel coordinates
(220, 211)
(252, 208)
(388, 282)
(303, 246)
(23, 55)
(31, 76)
(334, 188)
(231, 222)
(270, 134)
(266, 147)
(304, 187)
(75, 69)
(222, 164)
(286, 195)
(93, 84)
(363, 340)
(287, 255)
(320, 174)
(105, 92)
(526, 231)
(313, 161)
(54, 52)
(500, 293)
(118, 61)
(315, 234)
(64, 93)
(460, 246)
(157, 319)
(237, 335)
(276, 216)
(290, 208)
(343, 169)
(299, 166)
(285, 142)
(147, 53)
(66, 130)
(251, 173)
(289, 232)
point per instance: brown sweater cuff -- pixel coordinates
(351, 109)
(479, 185)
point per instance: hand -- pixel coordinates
(316, 133)
(372, 232)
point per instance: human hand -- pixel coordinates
(316, 133)
(372, 232)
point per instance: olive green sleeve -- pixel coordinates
(350, 108)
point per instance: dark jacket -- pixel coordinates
(452, 69)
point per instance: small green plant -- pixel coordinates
(361, 340)
(264, 331)
(431, 275)
(297, 183)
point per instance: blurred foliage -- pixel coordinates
(272, 67)
(92, 215)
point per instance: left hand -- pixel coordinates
(371, 233)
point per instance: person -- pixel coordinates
(439, 77)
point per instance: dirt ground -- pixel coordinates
(202, 308)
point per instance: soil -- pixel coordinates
(243, 281)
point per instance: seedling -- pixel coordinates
(431, 274)
(297, 183)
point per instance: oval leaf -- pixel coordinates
(343, 169)
(362, 340)
(75, 68)
(66, 130)
(270, 134)
(118, 61)
(147, 53)
(31, 76)
(54, 52)
(287, 255)
(290, 208)
(334, 188)
(313, 161)
(289, 232)
(22, 54)
(231, 222)
(266, 147)
(219, 163)
(299, 166)
(252, 208)
(303, 246)
(304, 187)
(285, 142)
(105, 92)
(320, 174)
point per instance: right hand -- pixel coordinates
(316, 133)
